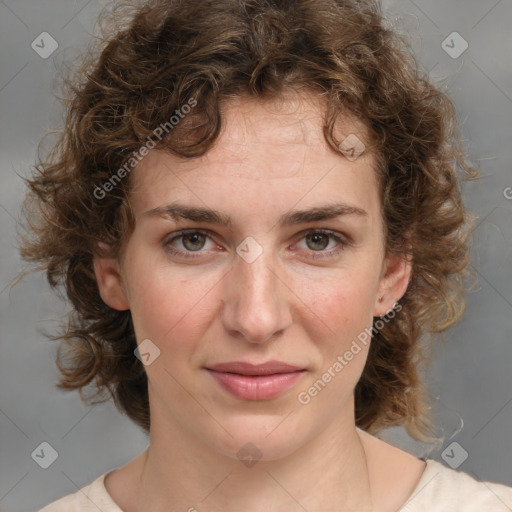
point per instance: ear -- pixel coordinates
(110, 282)
(395, 276)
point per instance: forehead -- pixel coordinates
(266, 148)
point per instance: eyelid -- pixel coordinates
(179, 234)
(342, 237)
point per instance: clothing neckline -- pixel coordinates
(431, 470)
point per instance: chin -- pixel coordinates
(259, 437)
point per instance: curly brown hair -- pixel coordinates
(152, 58)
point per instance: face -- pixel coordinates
(256, 281)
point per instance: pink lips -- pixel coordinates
(256, 382)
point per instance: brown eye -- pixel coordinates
(319, 241)
(193, 241)
(186, 243)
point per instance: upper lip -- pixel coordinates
(244, 368)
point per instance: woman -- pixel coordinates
(254, 209)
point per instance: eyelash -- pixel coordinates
(316, 254)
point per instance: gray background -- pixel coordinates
(471, 372)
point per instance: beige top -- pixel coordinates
(440, 489)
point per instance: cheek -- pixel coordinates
(166, 307)
(341, 308)
(343, 319)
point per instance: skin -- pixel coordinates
(270, 158)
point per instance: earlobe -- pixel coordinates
(110, 283)
(393, 283)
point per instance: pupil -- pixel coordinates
(316, 238)
(195, 242)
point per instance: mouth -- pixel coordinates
(247, 381)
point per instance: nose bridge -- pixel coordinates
(256, 305)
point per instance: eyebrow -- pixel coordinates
(209, 216)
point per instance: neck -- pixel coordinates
(328, 473)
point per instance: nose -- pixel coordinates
(257, 303)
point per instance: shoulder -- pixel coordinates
(441, 488)
(92, 497)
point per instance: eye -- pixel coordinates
(192, 241)
(318, 240)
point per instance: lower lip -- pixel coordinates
(261, 387)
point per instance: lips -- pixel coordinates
(247, 381)
(243, 368)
